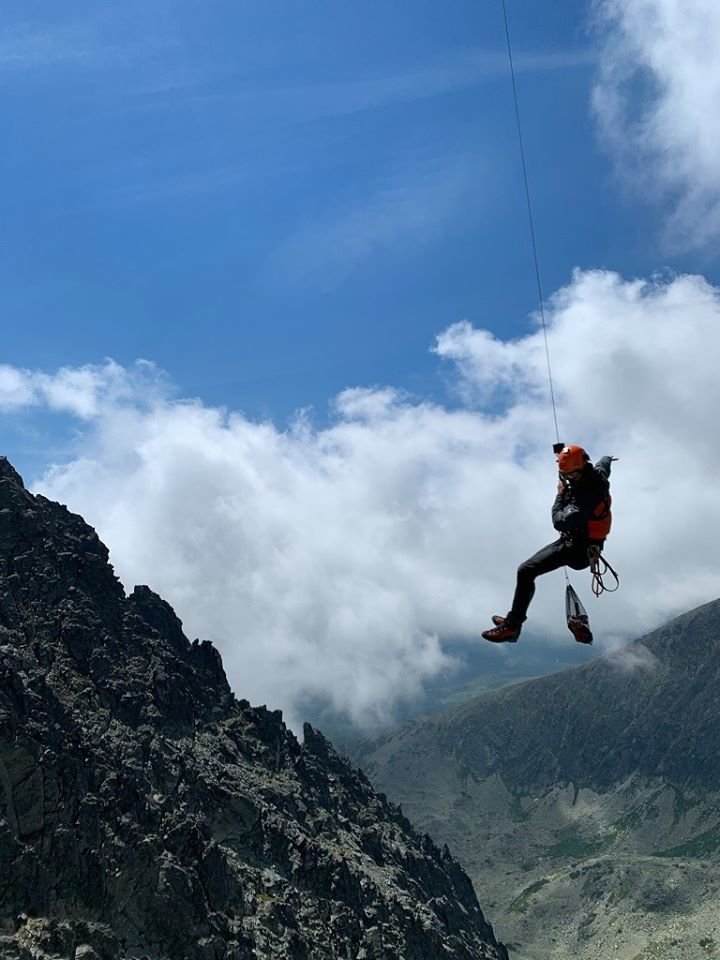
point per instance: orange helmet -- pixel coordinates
(572, 458)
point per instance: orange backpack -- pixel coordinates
(599, 526)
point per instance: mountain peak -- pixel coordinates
(9, 473)
(146, 811)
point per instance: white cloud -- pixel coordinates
(84, 392)
(657, 99)
(329, 562)
(634, 657)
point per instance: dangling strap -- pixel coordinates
(599, 567)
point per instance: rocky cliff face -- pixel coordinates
(145, 812)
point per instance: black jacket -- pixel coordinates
(575, 504)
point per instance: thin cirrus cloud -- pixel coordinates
(110, 42)
(409, 211)
(348, 96)
(343, 238)
(112, 67)
(657, 99)
(29, 46)
(95, 44)
(331, 563)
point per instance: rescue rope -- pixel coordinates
(531, 224)
(531, 220)
(599, 568)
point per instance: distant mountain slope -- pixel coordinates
(652, 709)
(585, 805)
(144, 812)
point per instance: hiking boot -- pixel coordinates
(503, 633)
(498, 620)
(578, 627)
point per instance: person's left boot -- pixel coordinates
(503, 633)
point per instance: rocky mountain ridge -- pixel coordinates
(585, 805)
(650, 709)
(145, 812)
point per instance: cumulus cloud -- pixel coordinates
(83, 392)
(657, 99)
(331, 563)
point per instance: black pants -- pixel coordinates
(552, 557)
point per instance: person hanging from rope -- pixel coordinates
(581, 515)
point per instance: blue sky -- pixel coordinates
(216, 216)
(274, 201)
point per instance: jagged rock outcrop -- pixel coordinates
(145, 812)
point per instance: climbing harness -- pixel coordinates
(599, 568)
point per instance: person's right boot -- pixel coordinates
(504, 631)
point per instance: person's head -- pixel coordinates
(571, 461)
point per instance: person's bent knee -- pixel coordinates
(526, 571)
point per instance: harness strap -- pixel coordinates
(599, 567)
